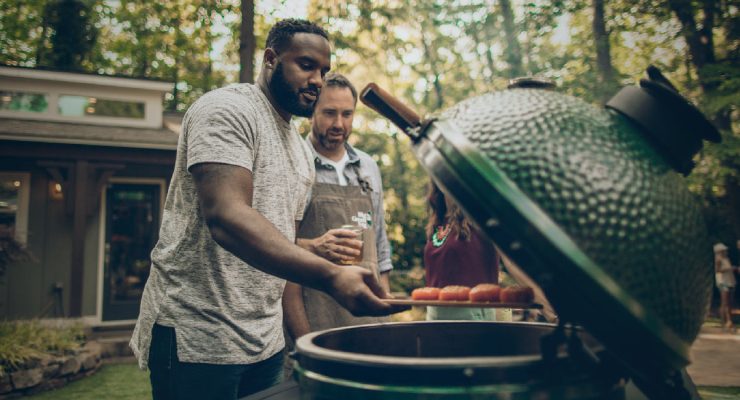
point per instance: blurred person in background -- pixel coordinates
(724, 274)
(456, 253)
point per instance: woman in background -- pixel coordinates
(725, 277)
(456, 254)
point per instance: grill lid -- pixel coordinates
(586, 203)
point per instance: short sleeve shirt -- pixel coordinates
(224, 311)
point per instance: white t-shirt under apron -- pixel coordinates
(339, 166)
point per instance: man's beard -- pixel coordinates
(286, 97)
(330, 144)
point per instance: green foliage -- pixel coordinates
(431, 54)
(21, 341)
(725, 77)
(20, 31)
(407, 281)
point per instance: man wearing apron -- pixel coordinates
(347, 191)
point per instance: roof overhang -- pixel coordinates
(86, 79)
(85, 134)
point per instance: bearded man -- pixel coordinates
(210, 325)
(348, 190)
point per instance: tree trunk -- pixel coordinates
(487, 40)
(513, 51)
(700, 46)
(247, 42)
(432, 57)
(41, 49)
(177, 54)
(603, 54)
(401, 190)
(476, 37)
(208, 73)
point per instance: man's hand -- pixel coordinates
(335, 245)
(357, 290)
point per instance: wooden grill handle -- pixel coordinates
(390, 107)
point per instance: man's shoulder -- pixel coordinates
(240, 97)
(365, 158)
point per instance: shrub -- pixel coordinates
(406, 281)
(23, 341)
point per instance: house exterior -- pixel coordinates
(85, 161)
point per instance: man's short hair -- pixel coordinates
(333, 79)
(282, 32)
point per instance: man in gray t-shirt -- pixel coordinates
(210, 324)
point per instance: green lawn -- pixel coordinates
(122, 381)
(719, 393)
(126, 381)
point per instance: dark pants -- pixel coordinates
(172, 379)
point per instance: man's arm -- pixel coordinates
(225, 196)
(385, 282)
(382, 245)
(294, 311)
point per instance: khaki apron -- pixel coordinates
(331, 207)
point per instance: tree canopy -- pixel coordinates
(430, 53)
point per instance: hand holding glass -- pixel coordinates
(360, 233)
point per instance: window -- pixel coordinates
(23, 101)
(78, 106)
(14, 194)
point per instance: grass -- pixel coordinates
(127, 381)
(21, 341)
(719, 393)
(121, 381)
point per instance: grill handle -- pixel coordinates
(392, 108)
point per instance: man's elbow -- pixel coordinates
(217, 223)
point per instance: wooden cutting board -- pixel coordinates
(444, 303)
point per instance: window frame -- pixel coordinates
(24, 197)
(45, 95)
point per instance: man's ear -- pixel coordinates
(270, 58)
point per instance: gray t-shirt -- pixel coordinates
(223, 310)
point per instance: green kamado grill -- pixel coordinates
(590, 202)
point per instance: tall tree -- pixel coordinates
(73, 34)
(604, 65)
(712, 73)
(698, 37)
(247, 42)
(513, 50)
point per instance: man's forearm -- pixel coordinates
(225, 199)
(385, 282)
(294, 311)
(269, 250)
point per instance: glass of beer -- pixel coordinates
(360, 233)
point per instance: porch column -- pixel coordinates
(79, 219)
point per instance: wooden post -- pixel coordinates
(79, 219)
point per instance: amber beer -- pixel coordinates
(359, 231)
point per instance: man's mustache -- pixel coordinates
(336, 131)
